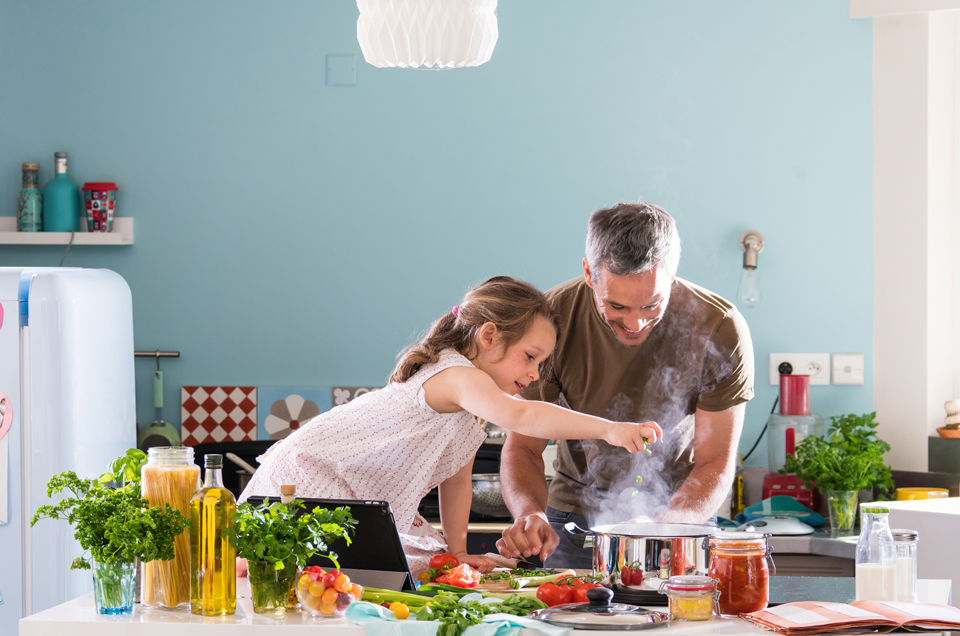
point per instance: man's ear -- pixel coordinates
(487, 336)
(587, 275)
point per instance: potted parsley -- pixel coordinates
(277, 539)
(841, 463)
(115, 525)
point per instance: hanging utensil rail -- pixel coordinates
(156, 354)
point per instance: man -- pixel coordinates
(636, 344)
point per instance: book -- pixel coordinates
(818, 617)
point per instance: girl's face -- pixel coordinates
(514, 369)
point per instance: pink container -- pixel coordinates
(100, 200)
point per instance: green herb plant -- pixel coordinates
(274, 535)
(116, 526)
(848, 458)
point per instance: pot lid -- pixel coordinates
(657, 530)
(601, 614)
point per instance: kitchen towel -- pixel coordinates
(379, 621)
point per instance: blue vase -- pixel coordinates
(113, 588)
(61, 199)
(29, 203)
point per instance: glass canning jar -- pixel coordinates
(906, 544)
(691, 598)
(738, 560)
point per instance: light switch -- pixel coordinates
(848, 368)
(341, 70)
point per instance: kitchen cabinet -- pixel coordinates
(122, 234)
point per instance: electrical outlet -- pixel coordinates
(816, 365)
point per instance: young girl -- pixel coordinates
(425, 426)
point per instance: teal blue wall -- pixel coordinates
(288, 232)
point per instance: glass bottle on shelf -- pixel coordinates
(213, 574)
(29, 203)
(876, 568)
(61, 199)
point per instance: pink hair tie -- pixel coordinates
(456, 310)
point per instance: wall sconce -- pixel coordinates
(751, 242)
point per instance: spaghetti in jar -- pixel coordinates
(738, 560)
(169, 478)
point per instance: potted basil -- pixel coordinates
(849, 458)
(115, 525)
(277, 539)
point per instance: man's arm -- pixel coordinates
(715, 441)
(525, 493)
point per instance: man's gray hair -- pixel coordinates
(632, 238)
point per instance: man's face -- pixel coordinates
(630, 305)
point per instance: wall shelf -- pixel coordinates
(122, 234)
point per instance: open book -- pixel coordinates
(813, 617)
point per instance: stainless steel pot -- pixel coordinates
(642, 555)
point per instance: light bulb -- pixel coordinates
(749, 292)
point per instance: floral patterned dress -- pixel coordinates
(386, 445)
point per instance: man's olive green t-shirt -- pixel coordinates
(699, 356)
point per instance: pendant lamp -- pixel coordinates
(427, 33)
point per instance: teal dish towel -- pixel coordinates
(377, 620)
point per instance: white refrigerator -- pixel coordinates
(66, 371)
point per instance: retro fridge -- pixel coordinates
(67, 396)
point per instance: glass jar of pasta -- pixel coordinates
(169, 477)
(738, 560)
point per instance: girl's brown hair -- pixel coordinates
(510, 304)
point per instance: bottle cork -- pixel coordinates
(288, 492)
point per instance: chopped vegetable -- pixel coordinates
(521, 583)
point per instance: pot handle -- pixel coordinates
(572, 528)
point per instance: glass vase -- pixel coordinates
(113, 588)
(842, 506)
(270, 587)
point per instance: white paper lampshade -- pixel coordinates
(427, 33)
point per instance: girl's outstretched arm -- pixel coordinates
(467, 389)
(456, 493)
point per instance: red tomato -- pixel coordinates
(328, 579)
(580, 592)
(626, 575)
(553, 594)
(462, 576)
(637, 574)
(443, 579)
(444, 560)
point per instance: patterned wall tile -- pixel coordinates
(343, 394)
(283, 409)
(218, 413)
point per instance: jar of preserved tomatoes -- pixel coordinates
(738, 560)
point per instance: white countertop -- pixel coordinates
(79, 618)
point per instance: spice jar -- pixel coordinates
(906, 542)
(691, 598)
(738, 560)
(169, 477)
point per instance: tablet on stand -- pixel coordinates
(375, 555)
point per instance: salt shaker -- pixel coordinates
(906, 542)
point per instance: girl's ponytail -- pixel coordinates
(510, 304)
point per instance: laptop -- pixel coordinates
(375, 555)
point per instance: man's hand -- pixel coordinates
(633, 437)
(528, 536)
(477, 561)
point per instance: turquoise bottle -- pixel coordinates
(61, 199)
(29, 203)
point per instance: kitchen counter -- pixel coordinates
(79, 618)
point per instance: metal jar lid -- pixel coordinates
(739, 541)
(601, 614)
(905, 535)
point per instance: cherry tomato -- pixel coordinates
(386, 604)
(341, 583)
(328, 579)
(580, 592)
(553, 594)
(400, 611)
(444, 560)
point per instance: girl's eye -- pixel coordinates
(530, 357)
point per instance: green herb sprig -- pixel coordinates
(274, 532)
(115, 525)
(849, 457)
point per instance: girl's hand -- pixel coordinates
(477, 561)
(241, 568)
(634, 437)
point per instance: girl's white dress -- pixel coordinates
(386, 445)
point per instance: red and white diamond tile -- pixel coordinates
(217, 414)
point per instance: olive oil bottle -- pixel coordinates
(213, 568)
